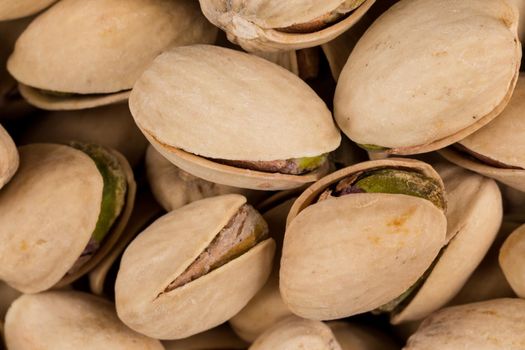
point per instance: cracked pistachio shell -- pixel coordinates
(297, 333)
(351, 254)
(226, 115)
(219, 338)
(511, 260)
(413, 86)
(255, 25)
(501, 140)
(490, 325)
(474, 214)
(12, 9)
(100, 47)
(62, 320)
(164, 250)
(48, 213)
(174, 188)
(9, 159)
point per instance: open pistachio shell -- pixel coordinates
(11, 9)
(69, 320)
(84, 54)
(500, 143)
(165, 250)
(174, 188)
(296, 333)
(351, 254)
(9, 159)
(229, 102)
(219, 338)
(268, 25)
(474, 215)
(411, 85)
(358, 337)
(491, 325)
(511, 260)
(49, 212)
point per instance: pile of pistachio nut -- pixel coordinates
(262, 175)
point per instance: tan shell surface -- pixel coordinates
(358, 337)
(413, 95)
(102, 46)
(514, 178)
(9, 159)
(502, 139)
(164, 250)
(221, 337)
(69, 320)
(473, 219)
(297, 333)
(214, 102)
(511, 260)
(11, 9)
(254, 25)
(47, 215)
(491, 325)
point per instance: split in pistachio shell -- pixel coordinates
(218, 338)
(490, 325)
(403, 95)
(271, 25)
(62, 60)
(69, 320)
(12, 9)
(9, 157)
(278, 145)
(511, 258)
(198, 253)
(296, 333)
(371, 229)
(94, 189)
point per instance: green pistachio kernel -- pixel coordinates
(373, 148)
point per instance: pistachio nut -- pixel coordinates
(497, 150)
(218, 338)
(62, 320)
(82, 54)
(9, 159)
(511, 260)
(296, 333)
(226, 131)
(361, 238)
(174, 188)
(354, 336)
(474, 215)
(12, 9)
(62, 213)
(109, 126)
(490, 325)
(194, 268)
(273, 25)
(412, 85)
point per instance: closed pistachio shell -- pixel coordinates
(296, 333)
(511, 258)
(165, 250)
(193, 129)
(358, 337)
(474, 215)
(411, 85)
(221, 337)
(100, 47)
(69, 320)
(9, 159)
(336, 265)
(11, 9)
(490, 325)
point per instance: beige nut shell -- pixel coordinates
(511, 260)
(254, 25)
(164, 250)
(9, 159)
(474, 216)
(11, 9)
(69, 320)
(218, 338)
(336, 265)
(102, 46)
(352, 336)
(490, 325)
(412, 85)
(296, 333)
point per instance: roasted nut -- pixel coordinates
(225, 130)
(353, 336)
(9, 157)
(219, 338)
(511, 258)
(194, 268)
(11, 9)
(412, 85)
